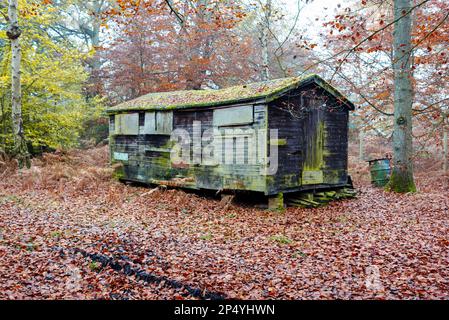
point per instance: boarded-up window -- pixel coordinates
(158, 122)
(236, 146)
(164, 122)
(127, 123)
(112, 124)
(233, 116)
(149, 123)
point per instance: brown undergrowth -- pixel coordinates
(68, 203)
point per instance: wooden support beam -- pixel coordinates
(226, 200)
(276, 202)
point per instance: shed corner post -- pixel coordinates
(111, 138)
(276, 202)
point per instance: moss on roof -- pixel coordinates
(267, 90)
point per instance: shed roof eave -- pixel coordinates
(227, 97)
(202, 106)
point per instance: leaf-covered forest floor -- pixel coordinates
(68, 230)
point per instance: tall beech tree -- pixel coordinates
(368, 71)
(402, 176)
(13, 33)
(52, 78)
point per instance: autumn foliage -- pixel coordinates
(69, 230)
(155, 51)
(361, 40)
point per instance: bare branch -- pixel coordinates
(349, 51)
(363, 96)
(179, 16)
(375, 33)
(3, 14)
(291, 29)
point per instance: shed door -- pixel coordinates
(313, 144)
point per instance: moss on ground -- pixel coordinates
(401, 183)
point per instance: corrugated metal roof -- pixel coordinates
(266, 90)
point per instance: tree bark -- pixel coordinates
(445, 149)
(265, 41)
(361, 145)
(13, 32)
(402, 176)
(3, 140)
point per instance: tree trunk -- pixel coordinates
(265, 41)
(402, 176)
(361, 145)
(444, 149)
(13, 32)
(3, 140)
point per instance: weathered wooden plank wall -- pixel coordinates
(312, 145)
(231, 171)
(314, 150)
(290, 153)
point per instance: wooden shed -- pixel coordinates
(234, 135)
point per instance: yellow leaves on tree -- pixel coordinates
(52, 81)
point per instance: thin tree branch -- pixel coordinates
(3, 14)
(363, 96)
(375, 33)
(179, 16)
(349, 51)
(291, 29)
(420, 111)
